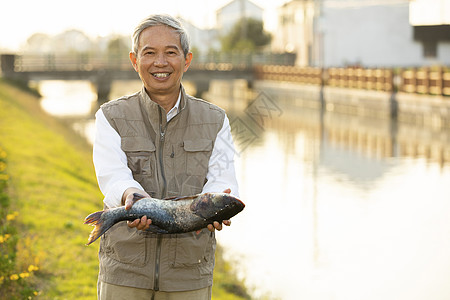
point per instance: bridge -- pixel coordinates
(102, 71)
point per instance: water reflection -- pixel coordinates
(338, 206)
(341, 207)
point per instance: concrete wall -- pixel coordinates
(371, 34)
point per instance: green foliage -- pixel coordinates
(246, 35)
(51, 188)
(16, 279)
(117, 47)
(23, 85)
(226, 283)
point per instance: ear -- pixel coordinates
(133, 60)
(187, 61)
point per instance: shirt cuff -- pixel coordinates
(113, 197)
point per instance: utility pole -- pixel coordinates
(318, 57)
(243, 20)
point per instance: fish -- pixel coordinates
(170, 215)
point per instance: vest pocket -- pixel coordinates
(140, 153)
(197, 157)
(124, 244)
(190, 250)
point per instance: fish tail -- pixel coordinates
(100, 228)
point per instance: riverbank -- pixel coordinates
(52, 187)
(431, 111)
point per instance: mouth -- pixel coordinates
(160, 75)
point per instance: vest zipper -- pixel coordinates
(162, 132)
(157, 263)
(161, 162)
(163, 194)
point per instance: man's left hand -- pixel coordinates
(217, 225)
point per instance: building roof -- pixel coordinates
(231, 2)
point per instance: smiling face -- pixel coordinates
(160, 63)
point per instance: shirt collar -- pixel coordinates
(175, 109)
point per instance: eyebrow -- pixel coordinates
(167, 47)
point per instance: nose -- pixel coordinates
(160, 60)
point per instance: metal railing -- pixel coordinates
(433, 81)
(52, 62)
(426, 81)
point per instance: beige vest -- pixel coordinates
(167, 159)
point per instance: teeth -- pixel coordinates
(161, 75)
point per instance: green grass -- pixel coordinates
(52, 187)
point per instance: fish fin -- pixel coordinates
(137, 197)
(156, 229)
(181, 198)
(93, 218)
(100, 228)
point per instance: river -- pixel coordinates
(337, 207)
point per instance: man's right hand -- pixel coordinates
(128, 199)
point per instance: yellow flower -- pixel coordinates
(2, 154)
(12, 216)
(4, 238)
(4, 177)
(32, 268)
(1, 279)
(2, 166)
(14, 277)
(35, 293)
(24, 275)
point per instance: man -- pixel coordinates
(160, 142)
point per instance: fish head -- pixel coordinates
(217, 206)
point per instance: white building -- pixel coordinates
(39, 43)
(429, 12)
(230, 14)
(68, 41)
(371, 33)
(72, 41)
(374, 33)
(295, 33)
(202, 40)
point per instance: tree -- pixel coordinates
(246, 35)
(117, 47)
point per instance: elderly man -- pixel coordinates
(160, 142)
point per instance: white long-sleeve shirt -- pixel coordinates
(114, 176)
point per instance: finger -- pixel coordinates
(226, 222)
(217, 225)
(211, 227)
(147, 224)
(134, 223)
(132, 198)
(142, 223)
(227, 191)
(129, 202)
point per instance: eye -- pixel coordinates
(149, 52)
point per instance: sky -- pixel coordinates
(19, 19)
